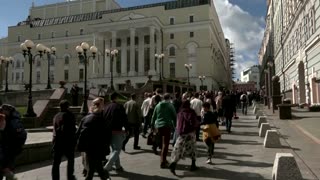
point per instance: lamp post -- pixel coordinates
(6, 61)
(49, 54)
(188, 67)
(26, 49)
(202, 78)
(82, 54)
(113, 54)
(160, 57)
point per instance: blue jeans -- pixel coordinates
(116, 145)
(228, 123)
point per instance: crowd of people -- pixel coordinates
(106, 130)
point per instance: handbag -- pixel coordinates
(150, 139)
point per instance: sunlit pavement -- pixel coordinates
(239, 155)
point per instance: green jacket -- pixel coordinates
(164, 115)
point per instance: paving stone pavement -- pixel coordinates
(239, 156)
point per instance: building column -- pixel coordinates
(152, 70)
(141, 55)
(107, 59)
(132, 52)
(114, 46)
(159, 51)
(124, 57)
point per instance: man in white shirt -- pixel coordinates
(244, 100)
(145, 108)
(196, 105)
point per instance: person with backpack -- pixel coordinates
(244, 102)
(64, 140)
(13, 138)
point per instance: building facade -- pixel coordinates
(249, 86)
(251, 74)
(186, 32)
(296, 52)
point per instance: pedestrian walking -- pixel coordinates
(244, 101)
(164, 120)
(13, 137)
(219, 107)
(64, 140)
(210, 131)
(187, 125)
(74, 94)
(146, 112)
(196, 105)
(93, 139)
(134, 122)
(6, 172)
(115, 114)
(157, 141)
(228, 108)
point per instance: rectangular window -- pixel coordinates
(81, 31)
(171, 21)
(17, 77)
(22, 76)
(67, 33)
(136, 40)
(38, 76)
(52, 34)
(191, 34)
(66, 46)
(147, 39)
(171, 36)
(146, 60)
(81, 74)
(118, 43)
(19, 38)
(66, 75)
(191, 19)
(172, 70)
(39, 36)
(12, 77)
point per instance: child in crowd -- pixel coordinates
(6, 172)
(210, 130)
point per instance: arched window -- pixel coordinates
(18, 64)
(172, 51)
(38, 62)
(66, 60)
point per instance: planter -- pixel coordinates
(62, 83)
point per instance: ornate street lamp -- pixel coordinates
(113, 54)
(160, 57)
(6, 61)
(188, 67)
(82, 54)
(26, 49)
(50, 52)
(202, 78)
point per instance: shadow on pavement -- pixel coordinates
(136, 176)
(239, 142)
(243, 126)
(237, 133)
(246, 163)
(219, 174)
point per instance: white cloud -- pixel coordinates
(242, 29)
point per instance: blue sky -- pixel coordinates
(242, 22)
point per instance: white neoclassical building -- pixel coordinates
(185, 31)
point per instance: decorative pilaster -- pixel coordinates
(132, 71)
(124, 57)
(113, 46)
(141, 55)
(152, 70)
